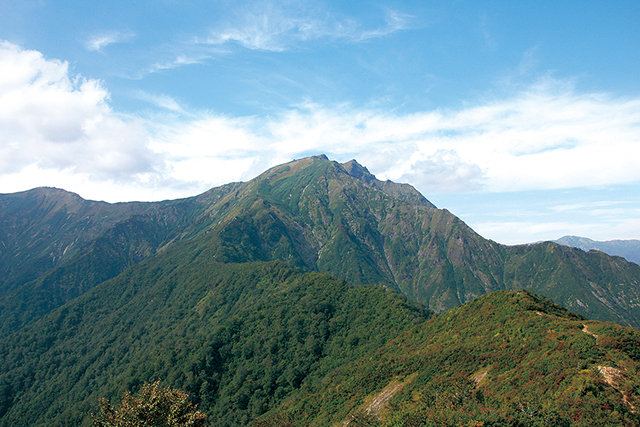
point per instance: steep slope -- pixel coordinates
(238, 337)
(43, 227)
(57, 245)
(315, 213)
(504, 359)
(628, 249)
(340, 219)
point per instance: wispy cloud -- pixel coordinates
(179, 61)
(395, 21)
(99, 41)
(269, 26)
(276, 27)
(159, 100)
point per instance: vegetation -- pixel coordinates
(152, 406)
(237, 337)
(505, 359)
(311, 213)
(290, 300)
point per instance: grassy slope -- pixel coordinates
(507, 358)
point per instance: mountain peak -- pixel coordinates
(322, 165)
(358, 171)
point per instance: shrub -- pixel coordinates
(152, 406)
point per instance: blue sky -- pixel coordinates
(522, 118)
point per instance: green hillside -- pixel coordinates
(302, 297)
(56, 246)
(505, 359)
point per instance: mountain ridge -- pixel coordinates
(488, 362)
(324, 216)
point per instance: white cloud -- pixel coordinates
(99, 41)
(163, 101)
(179, 61)
(51, 121)
(445, 171)
(545, 137)
(276, 27)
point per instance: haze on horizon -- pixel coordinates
(521, 119)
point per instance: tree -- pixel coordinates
(152, 406)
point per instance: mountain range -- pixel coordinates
(276, 300)
(629, 249)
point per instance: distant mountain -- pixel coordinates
(306, 292)
(629, 249)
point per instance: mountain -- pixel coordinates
(55, 245)
(629, 249)
(312, 213)
(309, 291)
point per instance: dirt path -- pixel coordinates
(381, 399)
(611, 377)
(587, 331)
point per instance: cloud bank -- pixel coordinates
(61, 129)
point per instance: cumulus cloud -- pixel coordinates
(51, 120)
(444, 172)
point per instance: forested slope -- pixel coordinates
(287, 290)
(238, 337)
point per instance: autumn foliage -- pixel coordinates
(152, 406)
